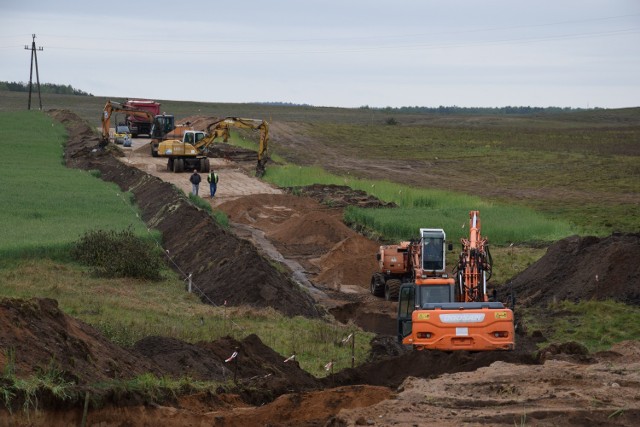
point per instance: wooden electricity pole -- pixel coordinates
(34, 58)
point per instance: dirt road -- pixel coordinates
(234, 182)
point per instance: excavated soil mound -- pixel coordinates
(303, 228)
(583, 268)
(339, 196)
(311, 409)
(38, 336)
(199, 122)
(338, 266)
(267, 211)
(224, 267)
(313, 233)
(180, 359)
(261, 372)
(258, 366)
(391, 372)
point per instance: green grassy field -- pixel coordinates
(46, 206)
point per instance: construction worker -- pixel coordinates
(195, 182)
(212, 179)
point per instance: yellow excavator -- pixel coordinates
(190, 152)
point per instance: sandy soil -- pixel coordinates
(561, 386)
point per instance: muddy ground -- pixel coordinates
(561, 386)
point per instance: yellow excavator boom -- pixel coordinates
(220, 128)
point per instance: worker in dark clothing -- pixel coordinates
(212, 179)
(195, 182)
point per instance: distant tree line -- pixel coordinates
(284, 104)
(474, 110)
(44, 88)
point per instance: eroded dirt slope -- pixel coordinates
(583, 268)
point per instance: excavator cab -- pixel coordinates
(162, 125)
(406, 305)
(433, 249)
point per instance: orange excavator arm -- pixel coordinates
(475, 263)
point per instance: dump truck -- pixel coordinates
(441, 311)
(139, 125)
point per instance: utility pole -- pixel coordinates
(34, 58)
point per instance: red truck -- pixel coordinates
(137, 124)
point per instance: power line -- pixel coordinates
(34, 58)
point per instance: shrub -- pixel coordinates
(118, 254)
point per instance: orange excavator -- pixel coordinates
(439, 312)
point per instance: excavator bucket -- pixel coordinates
(260, 168)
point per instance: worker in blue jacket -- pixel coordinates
(195, 182)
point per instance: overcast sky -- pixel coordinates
(567, 53)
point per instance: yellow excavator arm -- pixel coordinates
(220, 129)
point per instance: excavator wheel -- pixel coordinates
(204, 165)
(377, 285)
(178, 165)
(170, 165)
(392, 289)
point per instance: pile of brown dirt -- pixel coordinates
(267, 211)
(583, 268)
(180, 359)
(261, 373)
(224, 267)
(198, 122)
(339, 196)
(313, 233)
(350, 262)
(36, 336)
(335, 258)
(40, 333)
(392, 371)
(261, 369)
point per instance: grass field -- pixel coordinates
(45, 205)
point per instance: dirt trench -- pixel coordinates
(562, 385)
